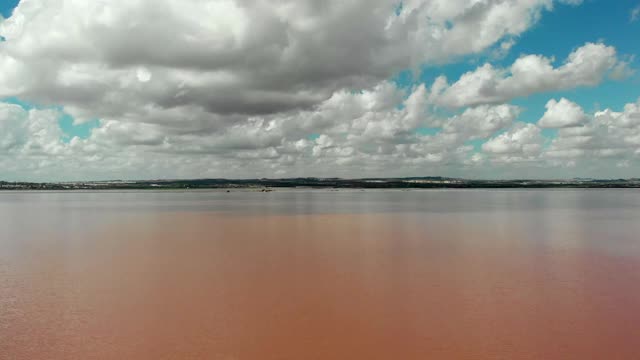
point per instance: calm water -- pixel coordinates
(540, 274)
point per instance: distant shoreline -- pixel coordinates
(320, 183)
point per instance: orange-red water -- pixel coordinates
(204, 285)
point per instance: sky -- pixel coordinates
(141, 89)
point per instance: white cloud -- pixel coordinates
(572, 2)
(482, 121)
(370, 137)
(522, 142)
(530, 74)
(12, 118)
(604, 135)
(229, 56)
(29, 132)
(562, 114)
(182, 86)
(257, 88)
(635, 14)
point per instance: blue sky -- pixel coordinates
(258, 115)
(567, 27)
(6, 7)
(557, 34)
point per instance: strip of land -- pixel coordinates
(322, 183)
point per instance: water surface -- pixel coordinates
(536, 274)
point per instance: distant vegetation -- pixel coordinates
(324, 183)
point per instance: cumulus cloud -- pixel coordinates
(522, 142)
(257, 88)
(562, 114)
(372, 137)
(482, 121)
(586, 66)
(605, 134)
(29, 131)
(355, 133)
(234, 57)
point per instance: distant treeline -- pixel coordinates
(324, 183)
